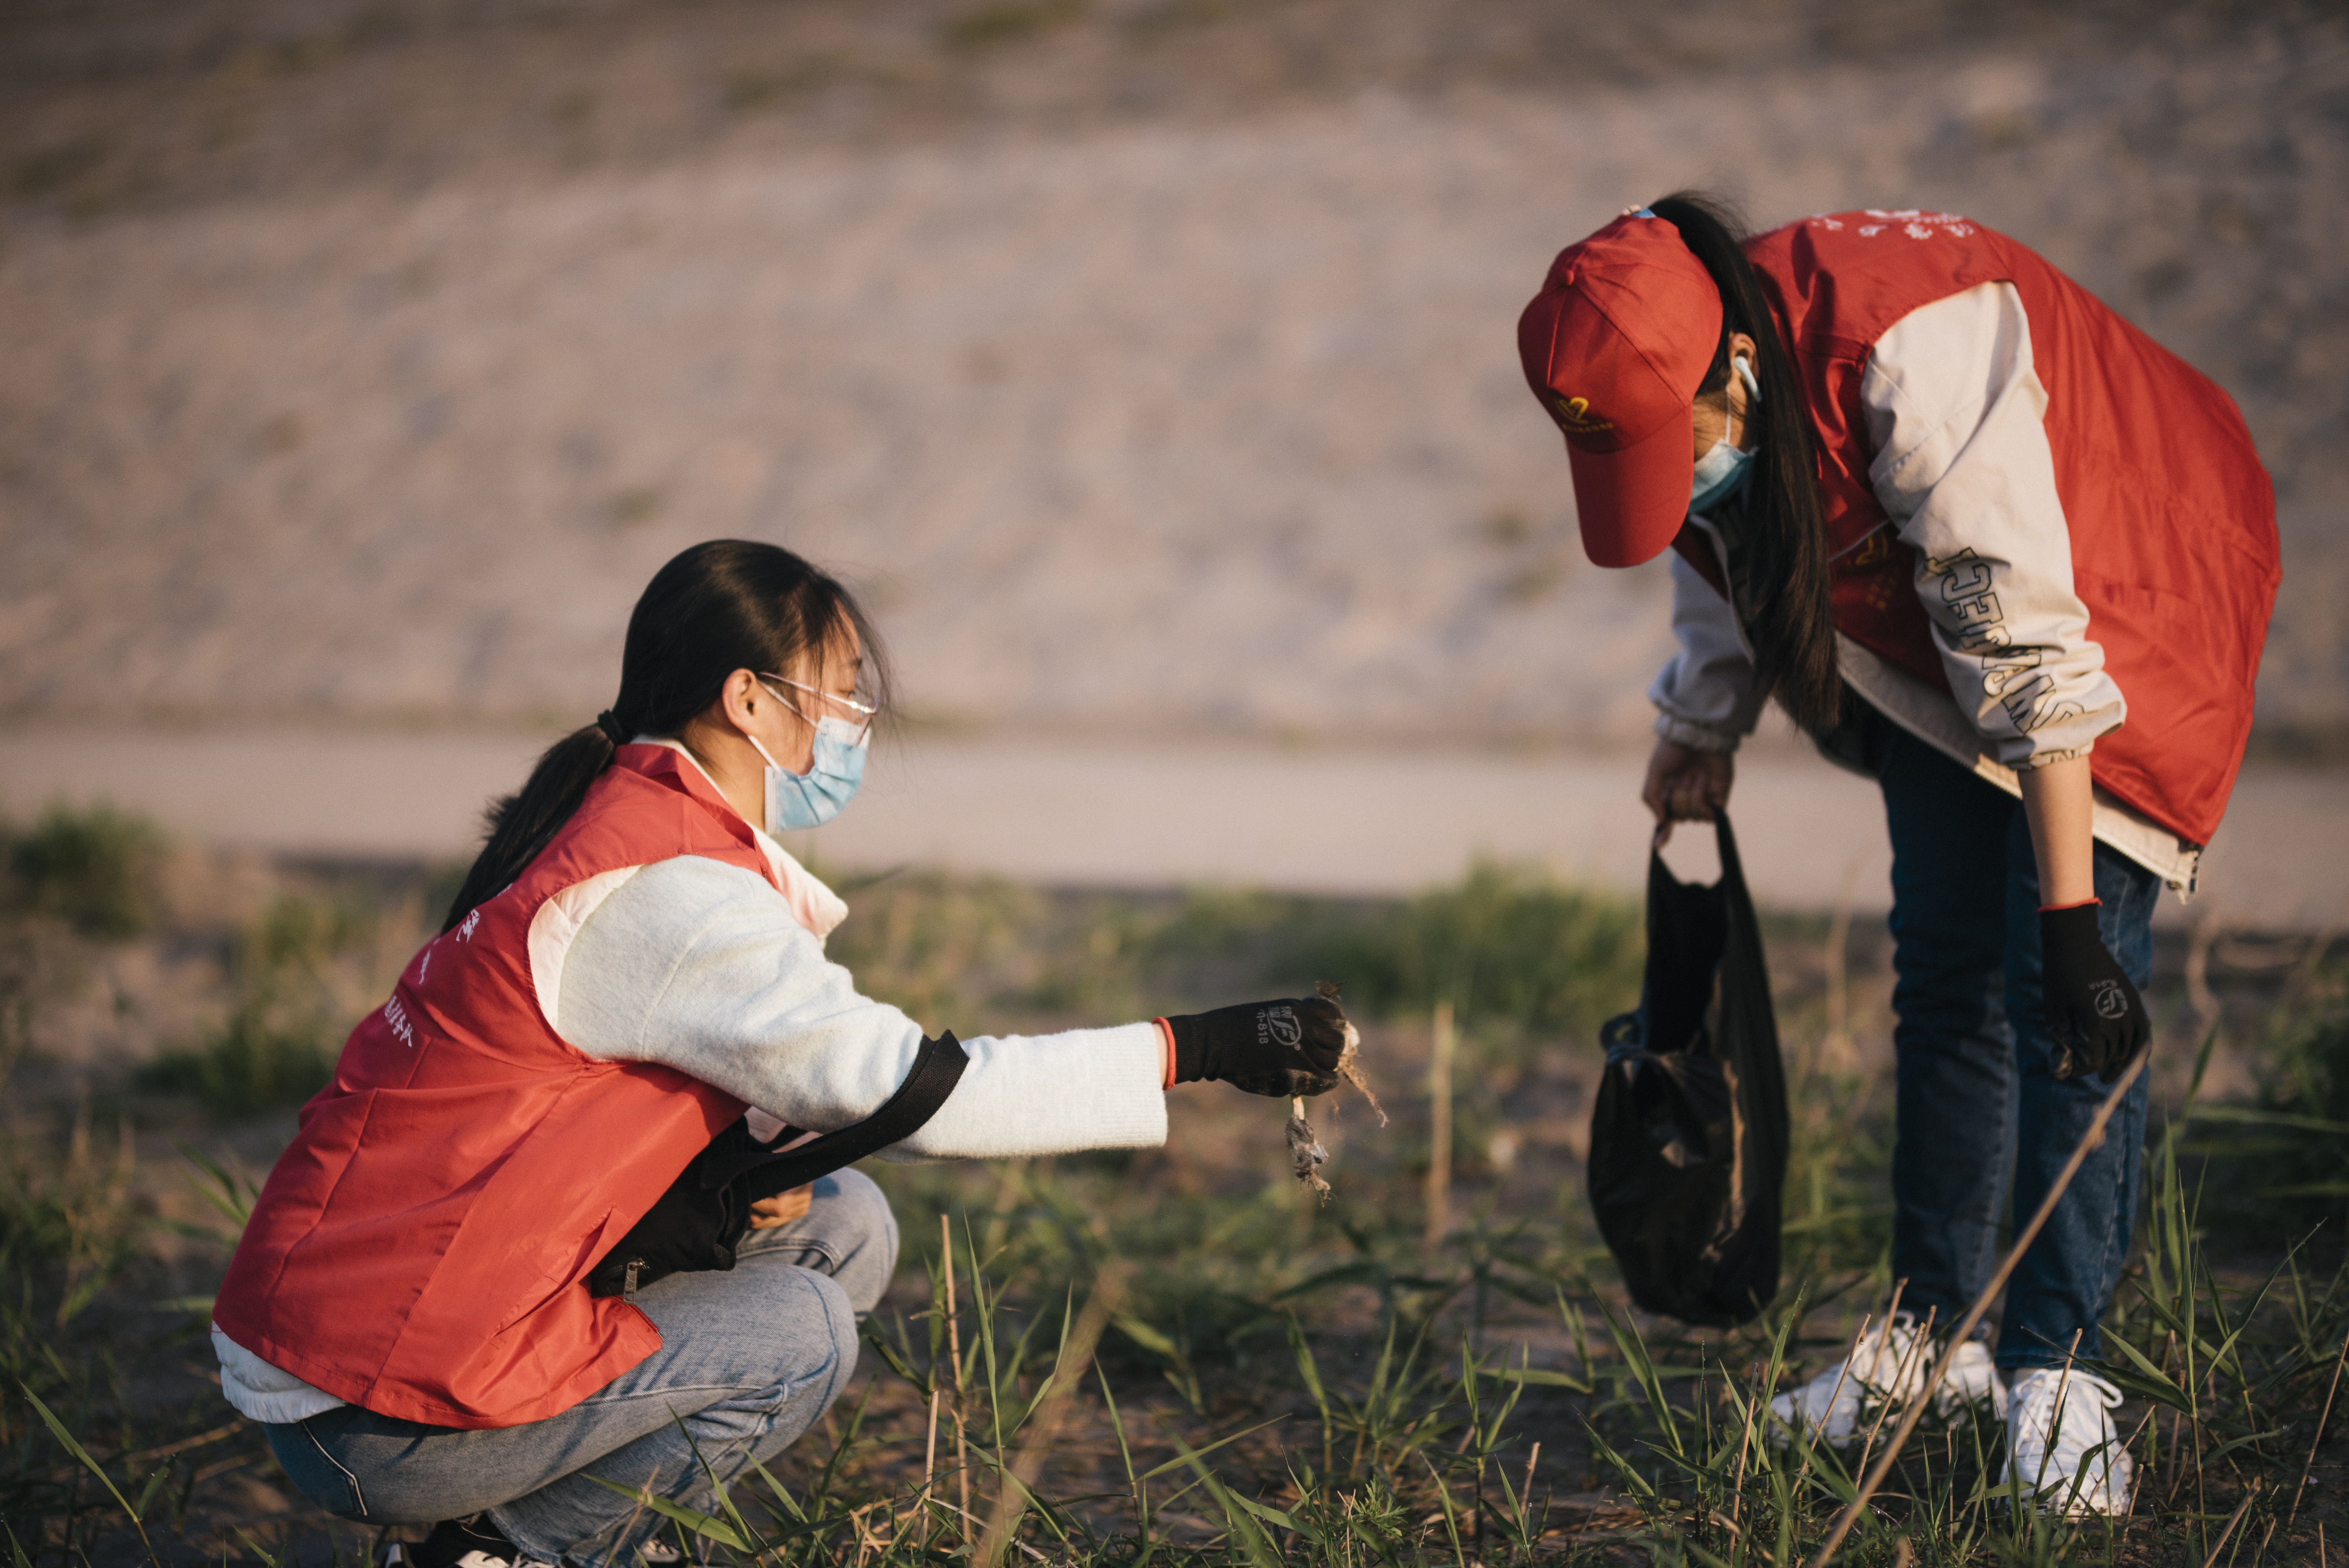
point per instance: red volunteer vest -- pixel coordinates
(2172, 518)
(421, 1246)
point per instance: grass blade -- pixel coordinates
(73, 1446)
(703, 1525)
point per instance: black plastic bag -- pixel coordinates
(1688, 1141)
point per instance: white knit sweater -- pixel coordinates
(704, 967)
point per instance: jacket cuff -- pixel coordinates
(1695, 737)
(2030, 759)
(1126, 1108)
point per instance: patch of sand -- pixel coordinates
(1154, 429)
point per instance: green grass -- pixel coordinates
(996, 22)
(1261, 1417)
(1258, 1380)
(284, 1023)
(95, 870)
(2281, 1160)
(243, 1066)
(1525, 959)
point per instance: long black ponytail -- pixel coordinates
(1783, 572)
(725, 605)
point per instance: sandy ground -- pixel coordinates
(1134, 423)
(1079, 813)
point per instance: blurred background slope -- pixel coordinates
(1151, 362)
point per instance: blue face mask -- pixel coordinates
(1720, 473)
(810, 800)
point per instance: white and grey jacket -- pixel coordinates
(1965, 475)
(704, 967)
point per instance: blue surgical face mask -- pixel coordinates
(810, 800)
(1720, 473)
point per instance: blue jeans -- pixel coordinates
(748, 1360)
(1975, 1093)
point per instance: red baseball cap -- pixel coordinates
(1615, 345)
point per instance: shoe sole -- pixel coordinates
(2055, 1508)
(1782, 1434)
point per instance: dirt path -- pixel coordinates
(1311, 820)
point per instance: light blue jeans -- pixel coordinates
(748, 1360)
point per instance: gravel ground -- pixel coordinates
(1151, 364)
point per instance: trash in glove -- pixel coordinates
(1306, 1154)
(1688, 1141)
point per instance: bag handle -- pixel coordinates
(1733, 870)
(938, 1068)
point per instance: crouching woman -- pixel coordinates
(497, 1265)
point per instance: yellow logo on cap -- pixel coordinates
(1575, 414)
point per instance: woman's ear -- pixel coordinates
(741, 698)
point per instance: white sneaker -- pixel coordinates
(1886, 1367)
(2062, 1446)
(469, 1542)
(661, 1553)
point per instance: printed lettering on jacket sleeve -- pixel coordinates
(1965, 606)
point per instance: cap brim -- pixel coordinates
(1632, 502)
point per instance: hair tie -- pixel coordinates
(613, 731)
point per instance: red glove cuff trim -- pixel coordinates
(2084, 904)
(1166, 1045)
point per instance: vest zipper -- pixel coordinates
(628, 1289)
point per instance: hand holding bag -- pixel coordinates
(1688, 1141)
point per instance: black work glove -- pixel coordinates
(1281, 1048)
(2095, 1016)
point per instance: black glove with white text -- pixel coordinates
(2094, 1016)
(1282, 1049)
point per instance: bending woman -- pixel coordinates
(1989, 543)
(633, 973)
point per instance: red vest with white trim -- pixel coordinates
(419, 1249)
(2172, 518)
